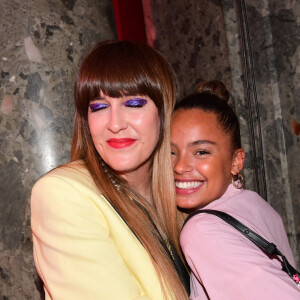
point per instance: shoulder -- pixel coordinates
(70, 186)
(201, 227)
(245, 205)
(71, 170)
(70, 191)
(66, 195)
(252, 196)
(245, 196)
(254, 202)
(252, 210)
(72, 174)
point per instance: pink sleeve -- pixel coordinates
(229, 265)
(283, 244)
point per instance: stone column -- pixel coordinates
(273, 36)
(41, 44)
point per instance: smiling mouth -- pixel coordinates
(187, 185)
(120, 143)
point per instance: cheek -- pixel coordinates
(137, 120)
(151, 126)
(204, 166)
(141, 121)
(95, 127)
(227, 164)
(92, 128)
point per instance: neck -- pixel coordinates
(140, 181)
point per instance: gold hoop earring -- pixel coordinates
(238, 181)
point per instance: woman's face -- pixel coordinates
(202, 158)
(125, 131)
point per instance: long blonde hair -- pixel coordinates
(118, 68)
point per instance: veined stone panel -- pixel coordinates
(274, 28)
(42, 43)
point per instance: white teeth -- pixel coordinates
(188, 184)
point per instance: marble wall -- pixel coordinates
(191, 34)
(42, 42)
(256, 54)
(274, 30)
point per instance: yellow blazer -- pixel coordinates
(82, 247)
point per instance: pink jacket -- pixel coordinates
(226, 263)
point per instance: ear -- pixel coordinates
(238, 159)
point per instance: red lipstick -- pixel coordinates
(120, 143)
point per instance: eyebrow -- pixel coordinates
(198, 142)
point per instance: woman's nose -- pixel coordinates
(117, 120)
(182, 165)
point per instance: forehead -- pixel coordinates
(194, 124)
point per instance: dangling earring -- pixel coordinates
(238, 180)
(114, 182)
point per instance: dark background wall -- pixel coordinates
(42, 42)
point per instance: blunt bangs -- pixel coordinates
(119, 69)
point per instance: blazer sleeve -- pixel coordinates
(73, 251)
(229, 266)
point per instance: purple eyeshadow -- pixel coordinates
(97, 106)
(136, 102)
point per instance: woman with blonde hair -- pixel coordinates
(104, 225)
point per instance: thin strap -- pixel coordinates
(270, 248)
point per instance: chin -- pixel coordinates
(190, 204)
(121, 168)
(186, 204)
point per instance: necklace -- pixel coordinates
(113, 181)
